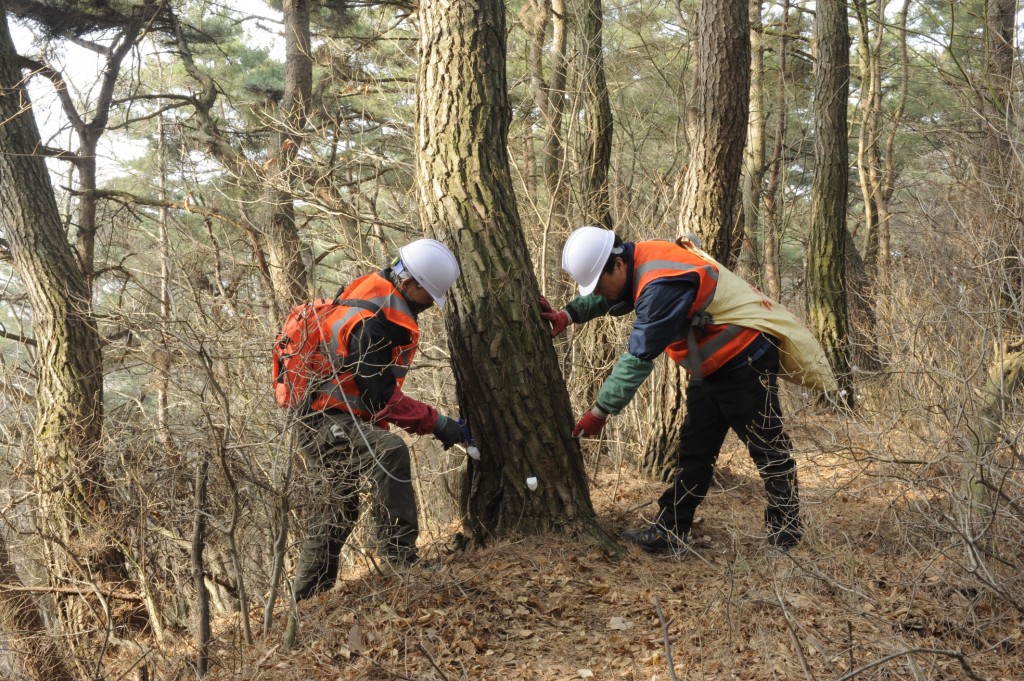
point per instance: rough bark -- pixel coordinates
(69, 363)
(69, 479)
(711, 184)
(722, 91)
(826, 256)
(504, 363)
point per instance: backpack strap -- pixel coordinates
(377, 310)
(314, 388)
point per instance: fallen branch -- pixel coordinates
(959, 657)
(668, 643)
(432, 663)
(119, 595)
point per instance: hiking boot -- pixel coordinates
(656, 538)
(783, 540)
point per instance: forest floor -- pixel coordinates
(875, 591)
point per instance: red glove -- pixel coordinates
(590, 423)
(559, 319)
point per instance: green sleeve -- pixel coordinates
(627, 376)
(585, 308)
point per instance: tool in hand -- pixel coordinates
(471, 447)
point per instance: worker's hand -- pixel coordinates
(590, 423)
(448, 432)
(559, 319)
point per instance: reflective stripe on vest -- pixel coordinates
(341, 392)
(716, 343)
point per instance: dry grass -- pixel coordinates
(874, 592)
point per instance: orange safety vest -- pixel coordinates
(715, 344)
(341, 392)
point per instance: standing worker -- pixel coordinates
(727, 335)
(371, 337)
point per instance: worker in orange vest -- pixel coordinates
(733, 373)
(371, 337)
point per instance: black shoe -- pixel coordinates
(783, 540)
(656, 538)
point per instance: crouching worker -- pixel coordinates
(370, 335)
(729, 341)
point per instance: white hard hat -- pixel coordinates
(584, 255)
(432, 265)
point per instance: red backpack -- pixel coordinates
(300, 363)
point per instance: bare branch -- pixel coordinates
(10, 335)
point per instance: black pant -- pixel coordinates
(746, 399)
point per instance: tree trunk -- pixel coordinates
(722, 89)
(595, 201)
(1002, 167)
(503, 360)
(826, 253)
(288, 272)
(753, 155)
(774, 196)
(869, 147)
(888, 181)
(863, 321)
(659, 459)
(89, 133)
(711, 183)
(69, 477)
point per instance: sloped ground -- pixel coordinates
(873, 592)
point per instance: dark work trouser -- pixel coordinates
(342, 451)
(746, 399)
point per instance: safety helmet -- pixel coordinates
(584, 255)
(432, 265)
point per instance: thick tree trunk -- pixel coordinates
(69, 363)
(504, 362)
(69, 478)
(826, 256)
(711, 183)
(722, 91)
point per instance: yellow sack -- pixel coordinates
(801, 359)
